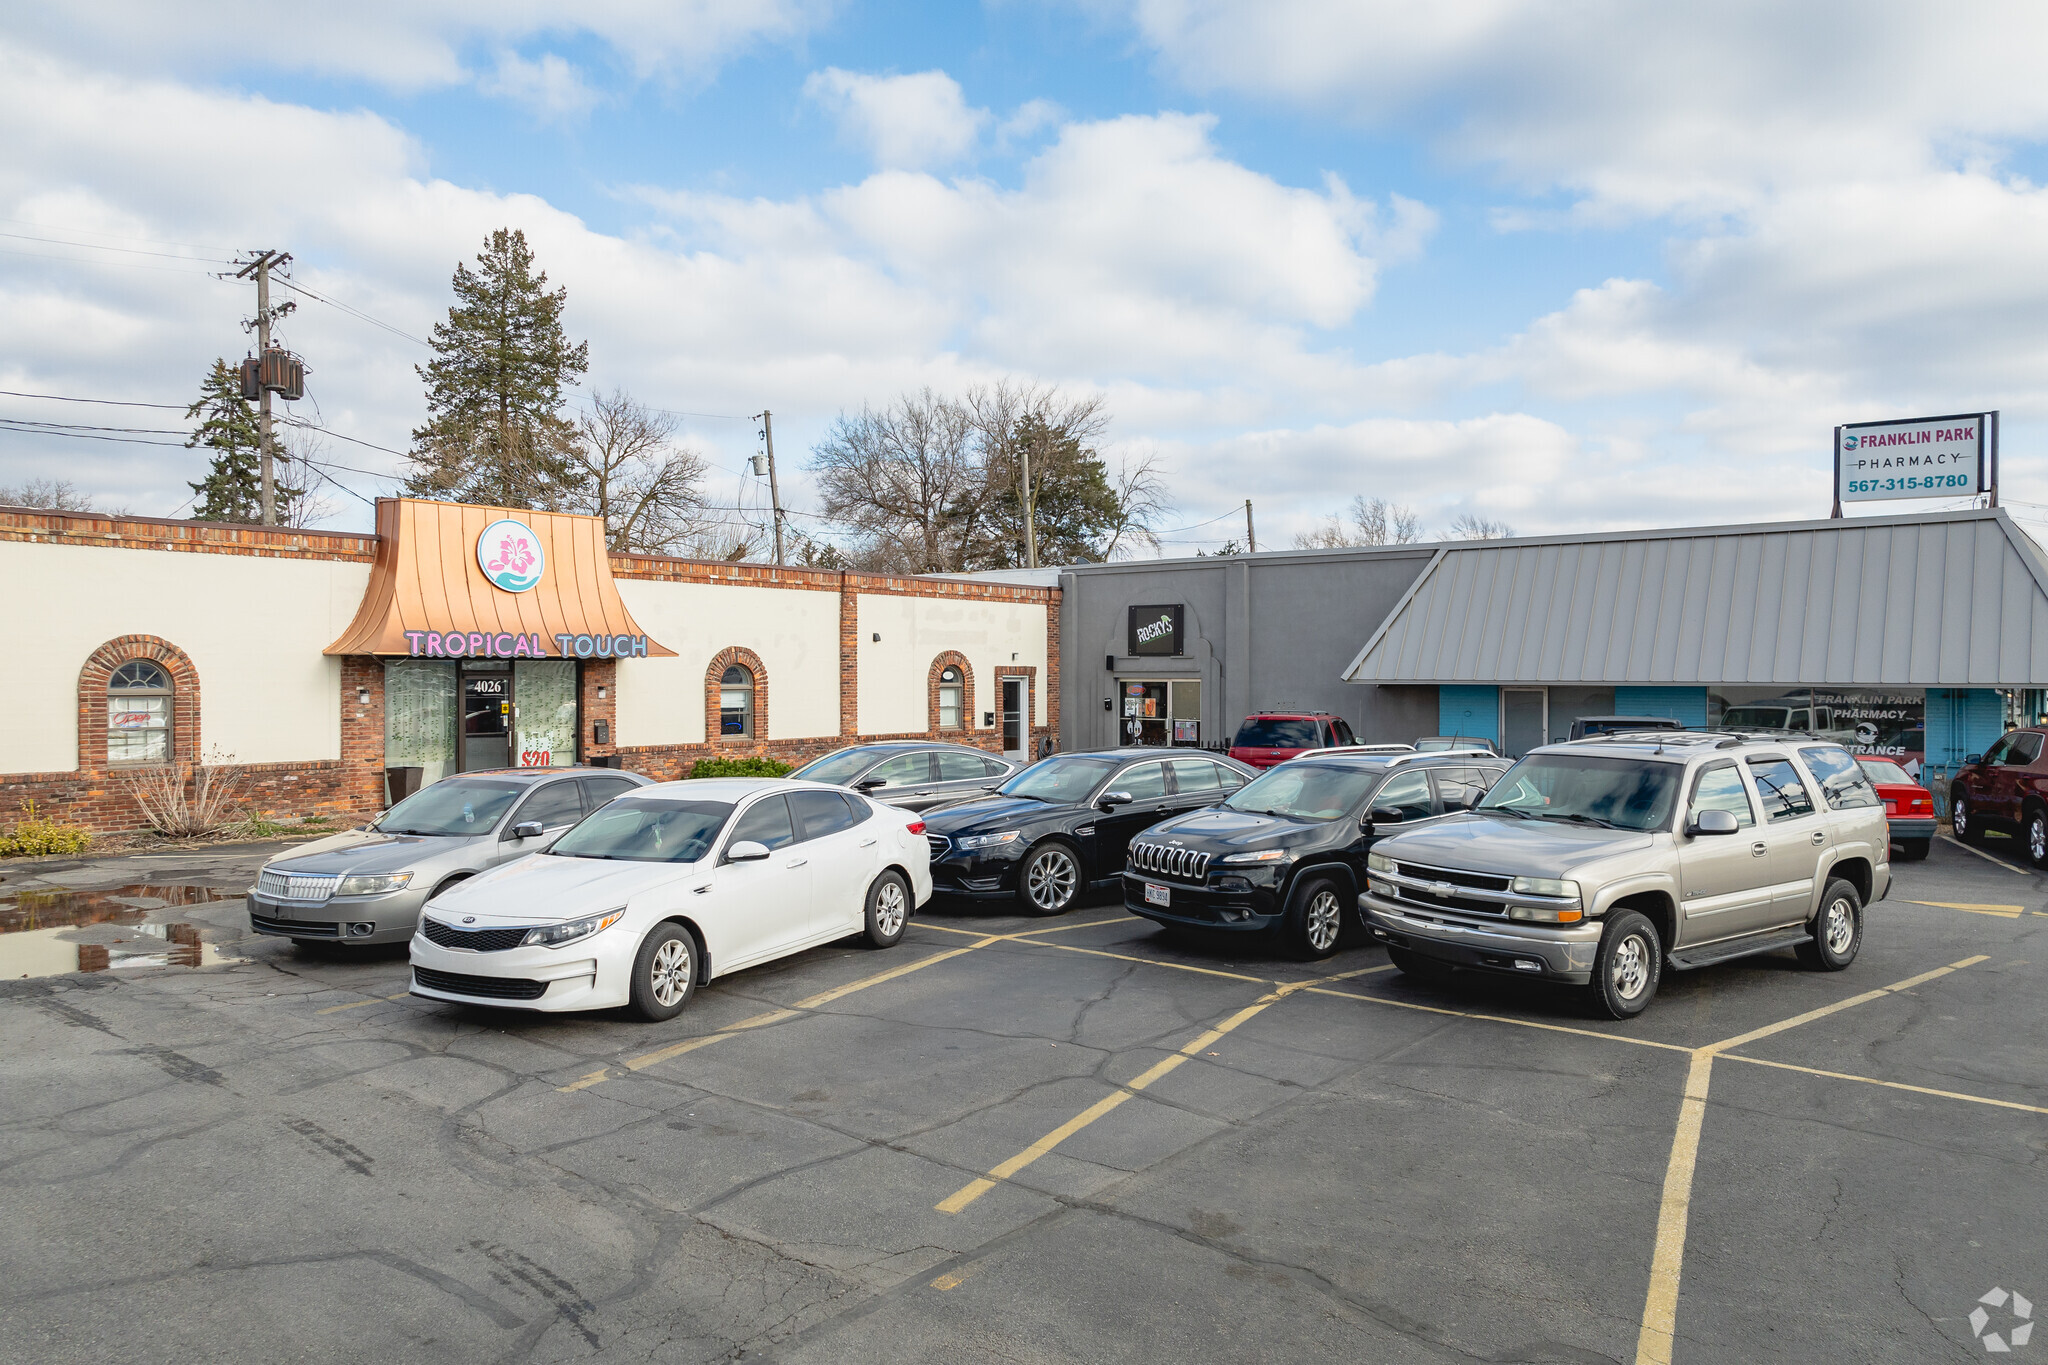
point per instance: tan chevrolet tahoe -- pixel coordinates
(1596, 863)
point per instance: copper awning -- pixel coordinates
(426, 580)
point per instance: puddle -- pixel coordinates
(41, 931)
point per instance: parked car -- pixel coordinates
(1063, 824)
(911, 774)
(669, 887)
(2005, 787)
(1438, 744)
(1287, 852)
(367, 886)
(1907, 805)
(1586, 727)
(1599, 864)
(1269, 737)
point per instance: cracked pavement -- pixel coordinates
(270, 1160)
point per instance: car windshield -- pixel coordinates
(1307, 791)
(836, 768)
(1884, 770)
(1756, 718)
(1621, 793)
(458, 807)
(647, 829)
(1276, 734)
(1062, 778)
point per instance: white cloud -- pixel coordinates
(551, 89)
(914, 122)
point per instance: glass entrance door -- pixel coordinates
(486, 719)
(1013, 718)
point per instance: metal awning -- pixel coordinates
(1946, 599)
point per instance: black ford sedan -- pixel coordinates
(1062, 824)
(1288, 851)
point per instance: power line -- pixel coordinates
(121, 236)
(126, 265)
(7, 424)
(109, 402)
(356, 313)
(124, 250)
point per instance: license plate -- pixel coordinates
(1155, 894)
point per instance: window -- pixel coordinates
(766, 822)
(959, 767)
(1719, 787)
(647, 830)
(1623, 792)
(736, 702)
(1843, 785)
(1195, 776)
(1308, 791)
(905, 770)
(820, 813)
(1261, 733)
(456, 806)
(952, 693)
(1342, 730)
(1783, 791)
(1145, 782)
(598, 790)
(139, 713)
(1461, 786)
(2002, 750)
(1407, 793)
(2024, 749)
(554, 805)
(1231, 778)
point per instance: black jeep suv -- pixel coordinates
(1287, 851)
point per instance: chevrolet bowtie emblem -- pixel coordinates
(1441, 888)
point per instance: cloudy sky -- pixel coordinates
(1572, 266)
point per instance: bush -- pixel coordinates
(35, 838)
(182, 800)
(738, 767)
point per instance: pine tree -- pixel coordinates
(232, 488)
(1075, 507)
(495, 431)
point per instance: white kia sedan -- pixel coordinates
(671, 885)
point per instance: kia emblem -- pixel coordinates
(469, 919)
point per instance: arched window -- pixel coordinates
(952, 691)
(139, 713)
(736, 702)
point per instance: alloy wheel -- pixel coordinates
(2037, 837)
(1959, 818)
(1630, 970)
(889, 908)
(1325, 921)
(669, 972)
(1841, 925)
(1051, 879)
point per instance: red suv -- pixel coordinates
(2006, 786)
(1269, 737)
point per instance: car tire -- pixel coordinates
(1411, 963)
(1914, 850)
(2034, 836)
(664, 973)
(1963, 819)
(1315, 919)
(1049, 882)
(1627, 967)
(1837, 930)
(888, 911)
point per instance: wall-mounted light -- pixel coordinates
(878, 637)
(362, 696)
(600, 693)
(1013, 658)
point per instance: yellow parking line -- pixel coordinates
(356, 1005)
(1023, 933)
(1148, 961)
(1497, 1018)
(1890, 1085)
(2003, 911)
(1987, 857)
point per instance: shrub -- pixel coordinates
(32, 837)
(738, 767)
(182, 800)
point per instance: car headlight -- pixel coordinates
(555, 935)
(1008, 836)
(1264, 855)
(378, 885)
(1379, 862)
(1544, 886)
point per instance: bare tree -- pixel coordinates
(1022, 429)
(53, 495)
(298, 504)
(909, 480)
(1368, 521)
(1143, 500)
(648, 490)
(1471, 526)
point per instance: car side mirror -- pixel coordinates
(1974, 758)
(1384, 815)
(1713, 822)
(746, 851)
(1111, 800)
(868, 784)
(527, 829)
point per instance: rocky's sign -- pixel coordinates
(1156, 630)
(1925, 457)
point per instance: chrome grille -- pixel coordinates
(1182, 864)
(1481, 881)
(940, 843)
(296, 886)
(475, 940)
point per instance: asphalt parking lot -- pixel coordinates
(1021, 1140)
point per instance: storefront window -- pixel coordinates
(950, 692)
(1873, 722)
(736, 702)
(139, 714)
(544, 712)
(419, 717)
(1159, 714)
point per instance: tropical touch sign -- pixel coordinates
(509, 553)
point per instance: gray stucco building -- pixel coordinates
(1918, 637)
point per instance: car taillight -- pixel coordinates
(916, 826)
(1923, 803)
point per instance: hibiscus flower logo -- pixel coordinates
(509, 553)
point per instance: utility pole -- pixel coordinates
(261, 267)
(774, 491)
(1250, 539)
(1030, 502)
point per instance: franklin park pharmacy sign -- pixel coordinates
(1925, 457)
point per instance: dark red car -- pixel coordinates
(2005, 787)
(1269, 737)
(1908, 805)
